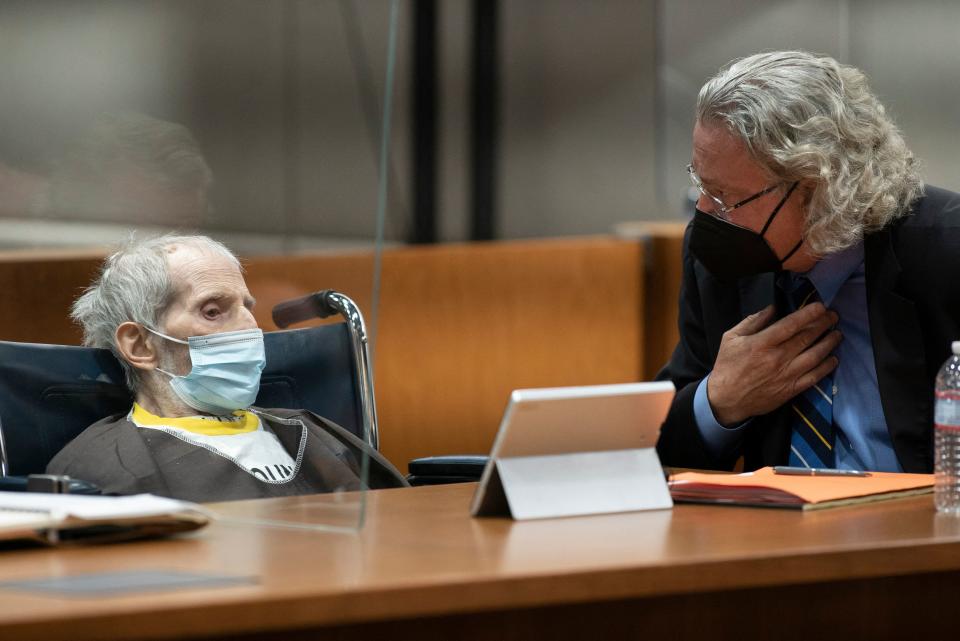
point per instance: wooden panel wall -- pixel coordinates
(500, 317)
(662, 279)
(460, 325)
(38, 290)
(663, 275)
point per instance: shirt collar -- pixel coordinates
(832, 271)
(240, 422)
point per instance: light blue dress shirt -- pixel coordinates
(862, 442)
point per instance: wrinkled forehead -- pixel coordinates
(196, 271)
(723, 159)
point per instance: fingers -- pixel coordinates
(809, 334)
(754, 322)
(816, 362)
(792, 324)
(761, 365)
(816, 375)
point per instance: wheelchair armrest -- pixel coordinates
(47, 483)
(440, 470)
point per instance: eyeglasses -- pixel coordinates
(723, 210)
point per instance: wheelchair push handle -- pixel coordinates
(328, 302)
(316, 305)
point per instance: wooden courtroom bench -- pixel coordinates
(663, 250)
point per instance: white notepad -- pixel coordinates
(51, 518)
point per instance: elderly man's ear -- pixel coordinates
(136, 346)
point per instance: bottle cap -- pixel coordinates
(956, 347)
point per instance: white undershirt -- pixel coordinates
(257, 451)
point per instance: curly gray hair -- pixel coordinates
(134, 284)
(805, 117)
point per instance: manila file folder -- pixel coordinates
(763, 488)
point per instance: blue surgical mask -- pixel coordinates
(225, 371)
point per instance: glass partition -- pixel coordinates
(269, 125)
(258, 122)
(265, 125)
(594, 121)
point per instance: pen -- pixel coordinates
(816, 471)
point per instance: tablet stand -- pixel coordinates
(539, 487)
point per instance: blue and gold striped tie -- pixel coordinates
(812, 438)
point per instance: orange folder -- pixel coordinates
(765, 489)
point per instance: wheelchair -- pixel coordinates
(51, 393)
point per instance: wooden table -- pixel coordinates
(422, 568)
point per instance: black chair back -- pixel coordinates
(51, 393)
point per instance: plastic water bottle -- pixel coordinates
(946, 419)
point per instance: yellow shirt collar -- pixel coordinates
(240, 422)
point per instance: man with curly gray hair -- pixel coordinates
(813, 313)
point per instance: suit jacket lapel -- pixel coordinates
(898, 354)
(756, 293)
(770, 442)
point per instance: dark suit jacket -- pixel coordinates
(120, 458)
(913, 298)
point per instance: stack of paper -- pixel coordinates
(765, 489)
(51, 518)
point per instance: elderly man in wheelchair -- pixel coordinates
(176, 313)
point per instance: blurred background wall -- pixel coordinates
(283, 97)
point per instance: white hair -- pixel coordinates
(805, 117)
(134, 284)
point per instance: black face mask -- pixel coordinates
(730, 251)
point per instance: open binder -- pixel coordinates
(763, 488)
(62, 518)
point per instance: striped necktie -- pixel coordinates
(812, 437)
